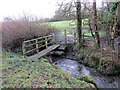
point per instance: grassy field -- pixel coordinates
(70, 25)
(62, 25)
(86, 32)
(22, 73)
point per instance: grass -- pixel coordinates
(22, 73)
(62, 25)
(70, 25)
(86, 32)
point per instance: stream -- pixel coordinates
(76, 69)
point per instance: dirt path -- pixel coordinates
(60, 38)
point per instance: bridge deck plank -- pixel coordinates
(43, 52)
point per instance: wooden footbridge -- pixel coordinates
(36, 48)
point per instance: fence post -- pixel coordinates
(75, 37)
(53, 41)
(46, 42)
(23, 49)
(37, 49)
(65, 36)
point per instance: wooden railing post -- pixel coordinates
(65, 36)
(52, 39)
(46, 42)
(75, 37)
(37, 49)
(23, 48)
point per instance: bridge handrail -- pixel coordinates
(37, 38)
(29, 43)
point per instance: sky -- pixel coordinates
(39, 8)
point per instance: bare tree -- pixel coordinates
(97, 38)
(118, 28)
(79, 22)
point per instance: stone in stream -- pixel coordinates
(62, 48)
(57, 53)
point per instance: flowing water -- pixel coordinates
(76, 69)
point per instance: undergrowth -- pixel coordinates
(105, 61)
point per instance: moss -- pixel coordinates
(88, 80)
(80, 56)
(103, 60)
(107, 66)
(92, 61)
(102, 64)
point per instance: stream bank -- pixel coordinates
(104, 60)
(77, 69)
(69, 63)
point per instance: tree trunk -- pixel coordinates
(118, 29)
(79, 23)
(89, 23)
(97, 39)
(108, 25)
(113, 29)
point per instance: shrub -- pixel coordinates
(14, 32)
